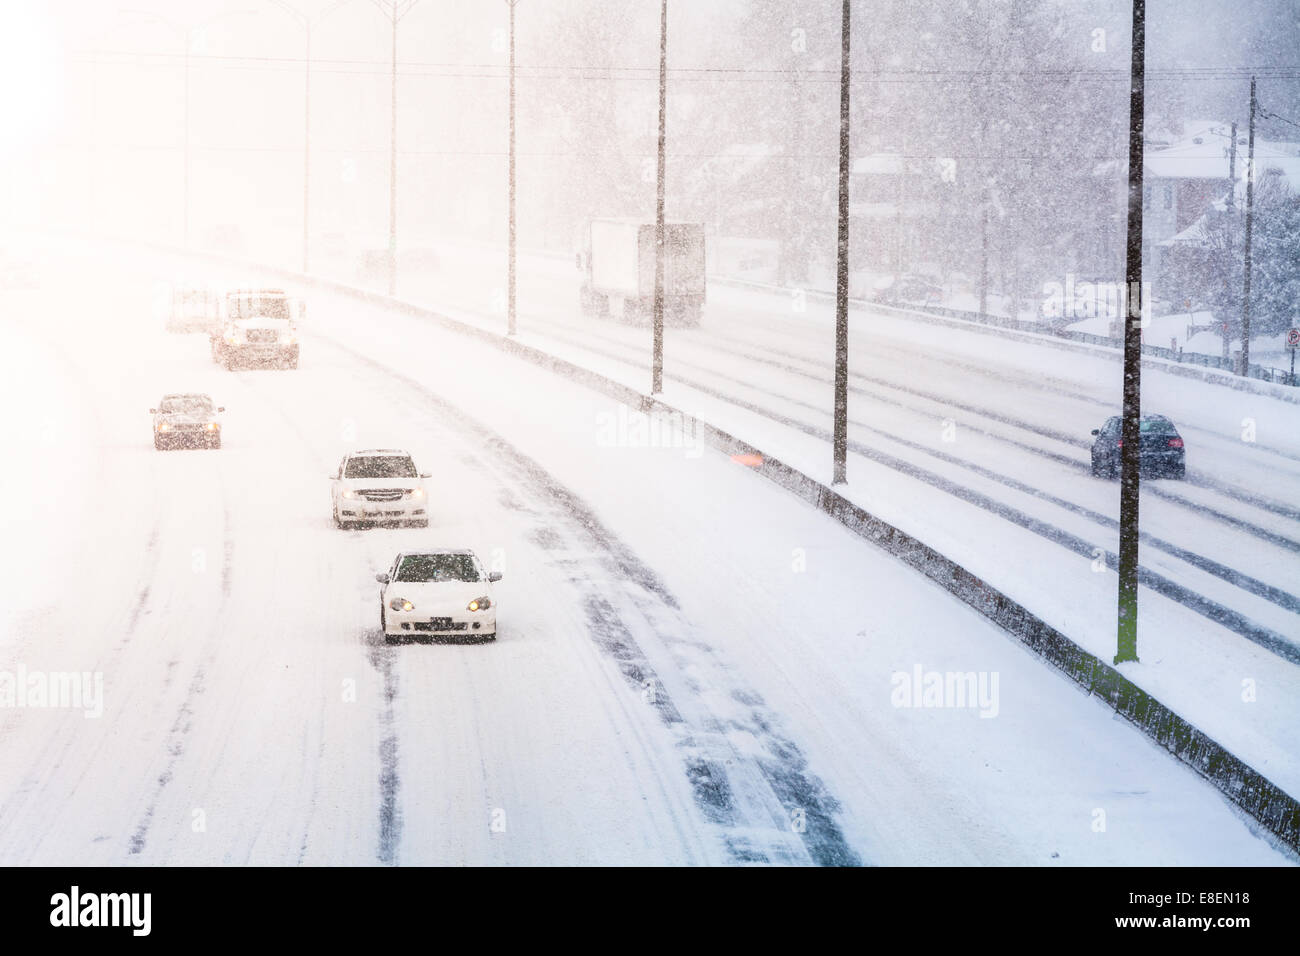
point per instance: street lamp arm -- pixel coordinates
(394, 9)
(302, 19)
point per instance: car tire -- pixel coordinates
(335, 516)
(215, 443)
(157, 444)
(1179, 471)
(1096, 469)
(420, 524)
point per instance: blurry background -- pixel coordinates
(1011, 110)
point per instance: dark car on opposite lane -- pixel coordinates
(1160, 449)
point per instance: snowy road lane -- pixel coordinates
(666, 686)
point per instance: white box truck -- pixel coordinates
(617, 259)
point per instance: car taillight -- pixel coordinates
(1175, 443)
(1120, 443)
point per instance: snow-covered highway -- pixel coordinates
(692, 667)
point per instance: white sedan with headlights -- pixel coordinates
(379, 486)
(438, 593)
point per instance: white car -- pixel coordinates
(379, 486)
(438, 593)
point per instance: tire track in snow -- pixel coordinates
(178, 733)
(381, 658)
(1229, 491)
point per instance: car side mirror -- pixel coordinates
(494, 575)
(425, 474)
(1096, 431)
(153, 411)
(381, 578)
(221, 408)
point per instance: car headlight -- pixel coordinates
(211, 426)
(401, 604)
(480, 604)
(416, 493)
(349, 493)
(164, 427)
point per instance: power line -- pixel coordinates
(561, 154)
(1269, 114)
(347, 66)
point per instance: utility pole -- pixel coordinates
(657, 369)
(1232, 169)
(392, 174)
(984, 258)
(306, 147)
(1250, 221)
(1130, 477)
(840, 441)
(510, 268)
(185, 182)
(1232, 209)
(393, 10)
(899, 198)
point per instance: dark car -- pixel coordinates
(1160, 449)
(909, 287)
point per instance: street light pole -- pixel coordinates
(185, 181)
(1250, 221)
(840, 442)
(306, 23)
(186, 33)
(657, 366)
(1130, 474)
(306, 147)
(392, 179)
(394, 10)
(510, 268)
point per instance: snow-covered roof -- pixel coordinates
(1207, 156)
(1204, 152)
(1193, 236)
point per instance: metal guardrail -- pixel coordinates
(1262, 373)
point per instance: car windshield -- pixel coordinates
(438, 567)
(1156, 426)
(380, 466)
(187, 405)
(259, 306)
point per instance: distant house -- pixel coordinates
(1187, 177)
